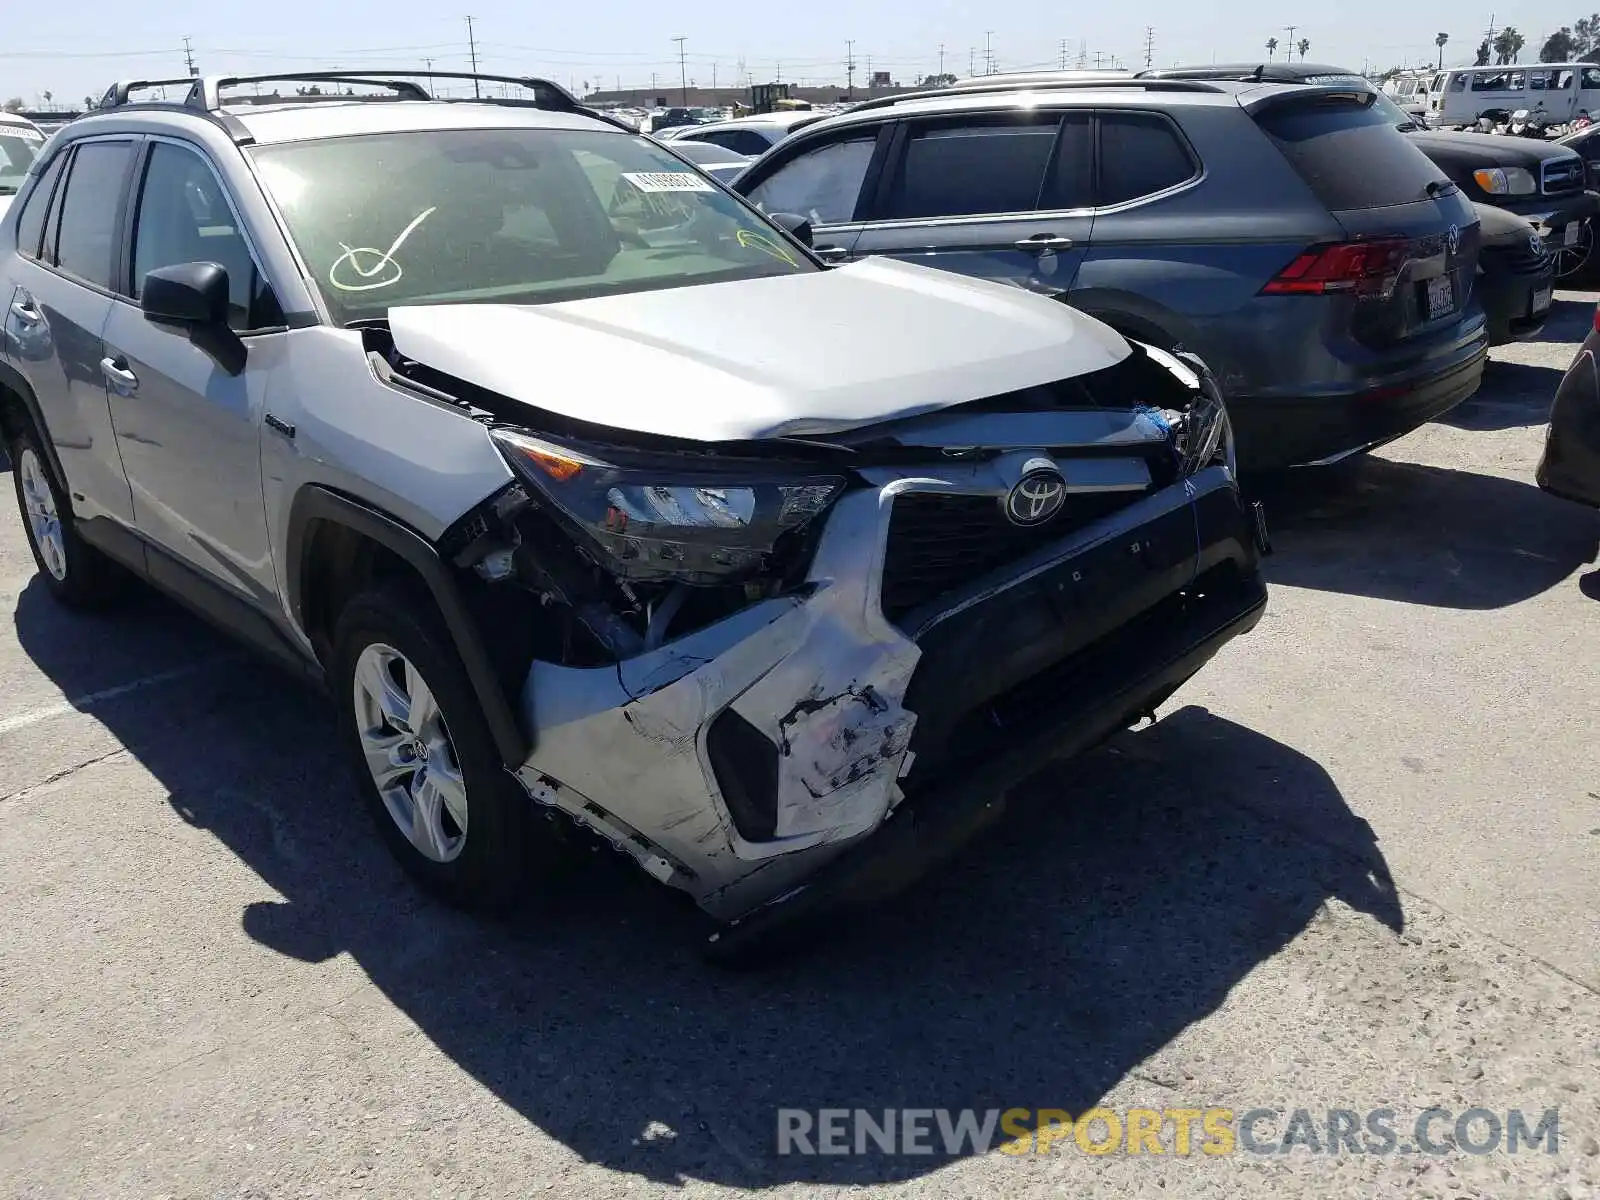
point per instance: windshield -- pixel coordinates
(511, 216)
(19, 146)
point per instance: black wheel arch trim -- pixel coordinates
(13, 381)
(314, 503)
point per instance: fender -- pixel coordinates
(12, 380)
(314, 503)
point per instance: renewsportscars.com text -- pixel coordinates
(1171, 1131)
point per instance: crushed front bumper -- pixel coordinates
(739, 761)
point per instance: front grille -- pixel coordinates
(1562, 176)
(939, 541)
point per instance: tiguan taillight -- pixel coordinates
(1365, 268)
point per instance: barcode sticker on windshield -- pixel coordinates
(668, 181)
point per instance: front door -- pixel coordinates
(189, 428)
(1002, 196)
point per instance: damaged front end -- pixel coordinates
(749, 657)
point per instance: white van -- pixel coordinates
(1410, 90)
(1461, 95)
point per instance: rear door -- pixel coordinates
(1005, 196)
(1418, 233)
(58, 311)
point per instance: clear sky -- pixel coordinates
(78, 47)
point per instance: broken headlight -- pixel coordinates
(1202, 434)
(702, 525)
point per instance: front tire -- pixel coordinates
(75, 573)
(427, 766)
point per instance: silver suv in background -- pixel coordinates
(593, 498)
(1287, 234)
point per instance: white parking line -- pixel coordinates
(83, 703)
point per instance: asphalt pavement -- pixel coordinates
(1355, 866)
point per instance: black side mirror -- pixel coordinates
(794, 224)
(193, 293)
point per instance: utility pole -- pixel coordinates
(972, 60)
(713, 77)
(941, 61)
(1289, 29)
(428, 62)
(1099, 57)
(188, 58)
(1062, 64)
(849, 69)
(472, 47)
(1083, 53)
(1149, 45)
(988, 53)
(683, 70)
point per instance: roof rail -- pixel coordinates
(205, 94)
(120, 93)
(1041, 84)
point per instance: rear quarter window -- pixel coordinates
(1349, 154)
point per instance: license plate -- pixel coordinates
(1541, 301)
(1569, 235)
(1441, 297)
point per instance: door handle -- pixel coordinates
(26, 311)
(1045, 241)
(117, 374)
(831, 254)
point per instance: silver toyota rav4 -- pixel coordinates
(591, 495)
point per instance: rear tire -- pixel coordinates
(427, 765)
(75, 573)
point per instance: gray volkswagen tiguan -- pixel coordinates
(1319, 262)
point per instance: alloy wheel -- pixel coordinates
(43, 520)
(1569, 260)
(408, 750)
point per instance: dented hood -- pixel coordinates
(785, 356)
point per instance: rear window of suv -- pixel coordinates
(1350, 154)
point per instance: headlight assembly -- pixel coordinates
(1506, 181)
(698, 525)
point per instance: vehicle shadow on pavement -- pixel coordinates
(1124, 896)
(1421, 534)
(1521, 397)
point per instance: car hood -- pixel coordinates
(1475, 150)
(790, 355)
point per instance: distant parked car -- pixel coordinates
(1540, 180)
(1516, 277)
(711, 158)
(20, 143)
(753, 135)
(1570, 467)
(1317, 261)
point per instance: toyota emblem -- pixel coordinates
(1454, 238)
(1037, 497)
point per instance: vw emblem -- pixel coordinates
(1037, 497)
(1454, 238)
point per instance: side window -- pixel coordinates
(1140, 156)
(1563, 81)
(88, 218)
(30, 225)
(1538, 81)
(1071, 180)
(1516, 82)
(740, 141)
(976, 166)
(1591, 78)
(822, 186)
(1458, 83)
(183, 218)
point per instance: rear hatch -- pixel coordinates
(1405, 271)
